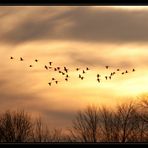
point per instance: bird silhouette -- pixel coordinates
(50, 63)
(21, 59)
(107, 67)
(49, 83)
(66, 70)
(98, 75)
(46, 67)
(82, 78)
(98, 80)
(79, 76)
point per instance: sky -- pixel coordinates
(71, 36)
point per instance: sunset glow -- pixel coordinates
(74, 37)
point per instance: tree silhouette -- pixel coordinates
(127, 122)
(85, 126)
(15, 126)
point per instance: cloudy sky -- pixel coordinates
(71, 36)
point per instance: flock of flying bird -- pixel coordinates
(64, 72)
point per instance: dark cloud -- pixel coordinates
(83, 24)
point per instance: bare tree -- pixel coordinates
(38, 131)
(56, 135)
(15, 126)
(143, 112)
(85, 126)
(107, 128)
(41, 132)
(143, 106)
(123, 124)
(127, 122)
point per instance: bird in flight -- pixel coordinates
(98, 75)
(50, 63)
(107, 67)
(79, 76)
(66, 70)
(98, 80)
(46, 67)
(21, 59)
(82, 78)
(49, 83)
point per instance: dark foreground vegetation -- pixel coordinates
(128, 122)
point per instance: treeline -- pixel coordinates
(128, 122)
